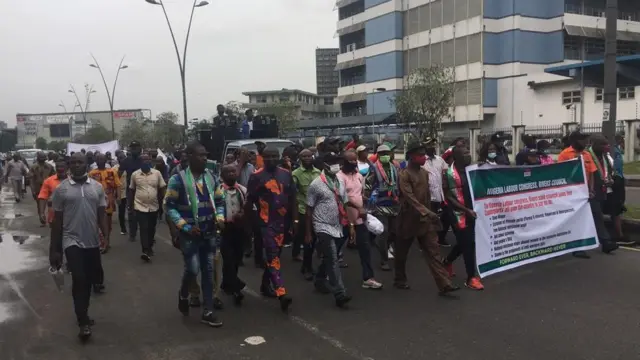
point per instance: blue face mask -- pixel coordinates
(492, 155)
(364, 171)
(145, 167)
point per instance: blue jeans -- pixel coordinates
(326, 246)
(198, 255)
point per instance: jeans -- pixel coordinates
(363, 242)
(122, 209)
(147, 222)
(465, 246)
(86, 270)
(197, 253)
(388, 237)
(326, 246)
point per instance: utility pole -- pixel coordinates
(610, 71)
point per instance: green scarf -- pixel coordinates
(192, 192)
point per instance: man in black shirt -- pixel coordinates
(132, 163)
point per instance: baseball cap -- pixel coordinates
(361, 148)
(383, 147)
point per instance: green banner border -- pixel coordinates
(495, 264)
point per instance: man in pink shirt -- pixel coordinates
(354, 186)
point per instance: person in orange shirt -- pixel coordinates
(577, 148)
(110, 182)
(260, 146)
(46, 191)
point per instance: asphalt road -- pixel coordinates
(564, 308)
(633, 196)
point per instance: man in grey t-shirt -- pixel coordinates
(79, 215)
(326, 214)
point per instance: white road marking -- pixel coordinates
(313, 329)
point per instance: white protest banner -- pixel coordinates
(529, 214)
(162, 156)
(110, 146)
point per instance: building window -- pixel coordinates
(599, 94)
(261, 99)
(328, 101)
(571, 97)
(627, 93)
(571, 47)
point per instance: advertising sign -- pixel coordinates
(124, 115)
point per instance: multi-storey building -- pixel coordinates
(66, 126)
(327, 82)
(308, 105)
(499, 50)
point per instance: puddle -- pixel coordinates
(15, 257)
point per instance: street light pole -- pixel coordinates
(110, 95)
(610, 70)
(181, 61)
(89, 91)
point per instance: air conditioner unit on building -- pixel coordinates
(351, 47)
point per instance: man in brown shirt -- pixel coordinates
(417, 221)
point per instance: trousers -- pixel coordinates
(147, 222)
(198, 253)
(428, 242)
(465, 246)
(329, 267)
(122, 209)
(388, 237)
(232, 245)
(272, 242)
(85, 266)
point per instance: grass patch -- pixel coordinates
(632, 168)
(633, 212)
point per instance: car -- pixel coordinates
(29, 155)
(250, 144)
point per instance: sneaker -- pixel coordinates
(371, 284)
(98, 289)
(218, 304)
(85, 333)
(450, 271)
(210, 319)
(122, 232)
(444, 243)
(343, 300)
(183, 305)
(390, 253)
(625, 242)
(145, 257)
(285, 302)
(385, 266)
(474, 283)
(448, 289)
(194, 302)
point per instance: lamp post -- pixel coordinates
(181, 61)
(373, 107)
(88, 91)
(110, 95)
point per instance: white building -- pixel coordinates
(308, 105)
(498, 48)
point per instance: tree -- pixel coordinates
(168, 116)
(41, 143)
(96, 134)
(58, 146)
(236, 108)
(165, 134)
(286, 113)
(426, 100)
(8, 140)
(135, 131)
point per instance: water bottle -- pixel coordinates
(58, 278)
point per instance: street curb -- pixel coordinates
(632, 182)
(629, 225)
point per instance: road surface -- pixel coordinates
(564, 308)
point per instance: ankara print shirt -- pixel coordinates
(271, 193)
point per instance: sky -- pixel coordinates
(234, 46)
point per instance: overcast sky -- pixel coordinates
(235, 46)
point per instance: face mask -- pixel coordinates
(349, 167)
(335, 168)
(384, 159)
(364, 171)
(419, 159)
(145, 168)
(492, 155)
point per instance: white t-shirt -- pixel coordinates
(435, 166)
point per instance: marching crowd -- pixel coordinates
(315, 201)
